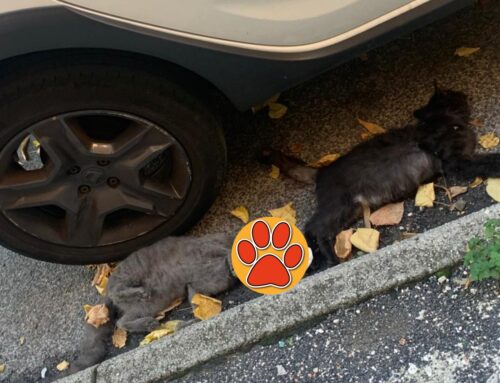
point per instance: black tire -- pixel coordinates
(45, 85)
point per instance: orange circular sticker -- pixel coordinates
(270, 255)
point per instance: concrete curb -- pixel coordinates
(315, 296)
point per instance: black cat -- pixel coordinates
(389, 168)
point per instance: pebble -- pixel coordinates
(442, 279)
(44, 372)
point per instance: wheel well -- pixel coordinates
(14, 68)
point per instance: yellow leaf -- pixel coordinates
(62, 366)
(425, 195)
(286, 212)
(493, 188)
(465, 51)
(477, 181)
(390, 214)
(277, 110)
(489, 140)
(275, 172)
(119, 337)
(457, 190)
(2, 368)
(87, 308)
(206, 307)
(258, 107)
(165, 329)
(241, 212)
(103, 271)
(366, 239)
(170, 307)
(101, 286)
(97, 315)
(343, 245)
(371, 127)
(324, 161)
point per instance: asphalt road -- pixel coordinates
(42, 303)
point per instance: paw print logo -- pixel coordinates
(270, 255)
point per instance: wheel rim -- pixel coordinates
(107, 177)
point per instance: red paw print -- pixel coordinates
(273, 268)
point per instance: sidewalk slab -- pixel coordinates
(315, 296)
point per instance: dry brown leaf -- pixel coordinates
(343, 245)
(286, 212)
(241, 212)
(277, 110)
(165, 329)
(489, 140)
(295, 148)
(62, 366)
(366, 135)
(96, 315)
(206, 307)
(102, 271)
(476, 123)
(275, 172)
(173, 305)
(101, 287)
(402, 341)
(2, 368)
(119, 337)
(407, 235)
(465, 51)
(371, 127)
(457, 190)
(390, 214)
(493, 188)
(258, 107)
(425, 195)
(477, 181)
(325, 160)
(366, 239)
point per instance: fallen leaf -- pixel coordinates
(489, 140)
(493, 188)
(165, 329)
(102, 271)
(459, 205)
(101, 287)
(325, 160)
(402, 341)
(62, 366)
(277, 110)
(295, 148)
(477, 181)
(366, 239)
(97, 315)
(258, 107)
(366, 135)
(465, 51)
(371, 127)
(173, 305)
(408, 235)
(241, 212)
(390, 214)
(425, 195)
(476, 123)
(275, 172)
(286, 212)
(2, 368)
(457, 190)
(206, 307)
(119, 337)
(343, 245)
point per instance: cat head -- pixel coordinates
(445, 103)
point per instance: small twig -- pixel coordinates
(366, 216)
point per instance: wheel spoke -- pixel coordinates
(163, 204)
(84, 226)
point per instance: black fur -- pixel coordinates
(390, 167)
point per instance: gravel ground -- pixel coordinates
(433, 331)
(42, 302)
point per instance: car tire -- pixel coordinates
(37, 88)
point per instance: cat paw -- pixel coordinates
(273, 268)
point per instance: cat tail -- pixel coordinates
(481, 165)
(290, 166)
(94, 346)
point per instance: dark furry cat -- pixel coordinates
(390, 167)
(150, 279)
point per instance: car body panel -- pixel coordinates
(275, 23)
